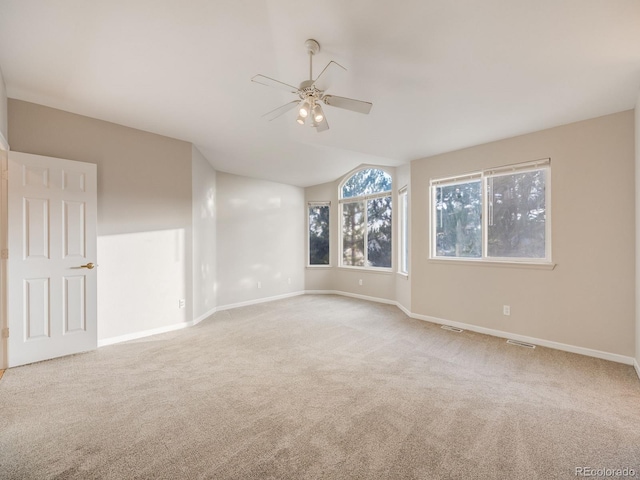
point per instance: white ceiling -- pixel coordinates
(441, 74)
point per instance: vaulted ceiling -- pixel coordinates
(441, 74)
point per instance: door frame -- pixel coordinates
(4, 228)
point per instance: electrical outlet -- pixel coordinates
(181, 303)
(506, 310)
(360, 282)
(259, 284)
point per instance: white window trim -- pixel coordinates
(403, 233)
(371, 196)
(318, 204)
(364, 199)
(482, 177)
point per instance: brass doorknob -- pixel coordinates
(89, 265)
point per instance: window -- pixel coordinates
(403, 210)
(319, 233)
(500, 214)
(365, 211)
(458, 215)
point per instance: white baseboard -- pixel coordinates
(205, 315)
(406, 311)
(352, 295)
(259, 300)
(154, 331)
(144, 333)
(178, 326)
(614, 357)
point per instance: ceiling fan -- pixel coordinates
(312, 94)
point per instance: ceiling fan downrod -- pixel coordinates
(310, 95)
(313, 47)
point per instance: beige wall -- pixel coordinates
(403, 283)
(144, 180)
(4, 122)
(203, 180)
(3, 244)
(588, 299)
(259, 238)
(637, 205)
(144, 212)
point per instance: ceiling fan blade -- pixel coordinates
(273, 114)
(270, 82)
(348, 103)
(326, 76)
(322, 126)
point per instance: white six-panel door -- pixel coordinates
(52, 285)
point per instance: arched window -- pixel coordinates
(365, 210)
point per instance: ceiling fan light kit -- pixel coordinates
(318, 115)
(304, 109)
(312, 94)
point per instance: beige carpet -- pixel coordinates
(318, 387)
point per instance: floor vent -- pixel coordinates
(520, 344)
(452, 329)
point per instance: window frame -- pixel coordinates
(309, 206)
(363, 199)
(403, 231)
(483, 176)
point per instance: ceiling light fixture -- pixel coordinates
(318, 114)
(305, 108)
(311, 93)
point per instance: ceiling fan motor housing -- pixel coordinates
(308, 91)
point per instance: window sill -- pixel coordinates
(494, 263)
(403, 275)
(383, 271)
(318, 266)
